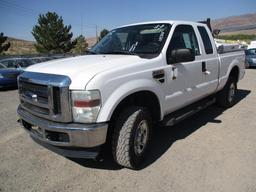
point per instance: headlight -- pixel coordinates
(1, 76)
(85, 106)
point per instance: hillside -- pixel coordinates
(91, 41)
(20, 47)
(24, 47)
(243, 24)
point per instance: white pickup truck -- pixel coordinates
(136, 76)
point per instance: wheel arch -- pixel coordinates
(149, 95)
(143, 98)
(234, 73)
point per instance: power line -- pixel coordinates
(16, 12)
(18, 6)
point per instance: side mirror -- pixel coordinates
(180, 56)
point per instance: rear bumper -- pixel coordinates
(70, 135)
(252, 64)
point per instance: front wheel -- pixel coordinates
(226, 97)
(131, 137)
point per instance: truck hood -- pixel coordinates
(82, 69)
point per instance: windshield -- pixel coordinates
(147, 39)
(250, 52)
(2, 66)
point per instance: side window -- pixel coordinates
(9, 63)
(206, 40)
(184, 37)
(123, 39)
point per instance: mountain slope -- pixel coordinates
(245, 24)
(20, 47)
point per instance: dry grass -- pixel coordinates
(21, 47)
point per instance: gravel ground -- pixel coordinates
(215, 150)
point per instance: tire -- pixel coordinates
(226, 97)
(131, 137)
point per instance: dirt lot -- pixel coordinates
(215, 150)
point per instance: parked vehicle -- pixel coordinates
(2, 66)
(17, 62)
(40, 59)
(136, 76)
(252, 45)
(251, 57)
(8, 77)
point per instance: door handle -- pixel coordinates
(207, 72)
(204, 66)
(204, 69)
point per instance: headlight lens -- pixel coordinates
(85, 106)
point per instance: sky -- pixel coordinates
(17, 17)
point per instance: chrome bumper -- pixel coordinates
(63, 134)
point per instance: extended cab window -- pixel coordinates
(184, 37)
(206, 40)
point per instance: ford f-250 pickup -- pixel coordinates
(135, 76)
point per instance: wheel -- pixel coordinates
(226, 97)
(131, 137)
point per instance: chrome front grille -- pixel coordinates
(45, 95)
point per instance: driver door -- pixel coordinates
(184, 79)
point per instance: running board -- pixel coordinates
(188, 111)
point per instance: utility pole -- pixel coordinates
(97, 38)
(81, 24)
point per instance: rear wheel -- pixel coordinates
(226, 97)
(131, 137)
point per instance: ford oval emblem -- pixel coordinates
(34, 97)
(31, 96)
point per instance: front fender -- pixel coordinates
(125, 90)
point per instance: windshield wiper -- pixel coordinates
(120, 52)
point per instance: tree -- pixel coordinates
(81, 45)
(3, 45)
(51, 35)
(103, 33)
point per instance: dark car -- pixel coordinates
(40, 59)
(250, 57)
(17, 62)
(8, 77)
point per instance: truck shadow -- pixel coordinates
(5, 89)
(164, 137)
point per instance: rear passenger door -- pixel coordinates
(210, 61)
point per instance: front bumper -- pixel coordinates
(70, 135)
